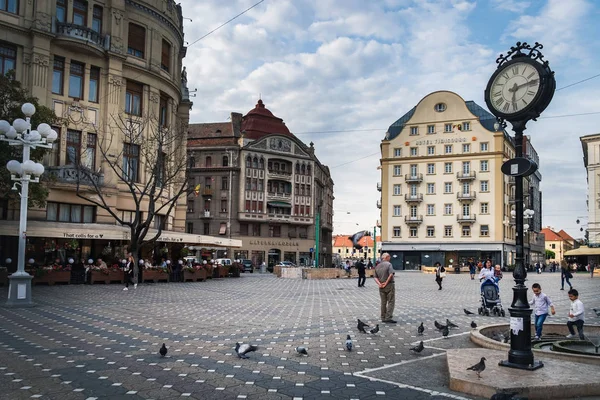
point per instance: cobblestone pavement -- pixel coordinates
(100, 342)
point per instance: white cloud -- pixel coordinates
(516, 6)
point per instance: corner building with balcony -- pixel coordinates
(94, 62)
(259, 183)
(443, 195)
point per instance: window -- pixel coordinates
(224, 205)
(485, 230)
(413, 231)
(80, 12)
(448, 231)
(466, 188)
(484, 186)
(414, 130)
(413, 211)
(466, 148)
(447, 187)
(165, 59)
(397, 170)
(397, 190)
(62, 212)
(58, 73)
(94, 84)
(73, 147)
(466, 167)
(430, 129)
(397, 152)
(163, 110)
(413, 170)
(397, 211)
(133, 98)
(159, 221)
(224, 183)
(414, 151)
(136, 43)
(206, 228)
(413, 190)
(466, 230)
(483, 146)
(431, 150)
(225, 161)
(431, 188)
(466, 126)
(430, 209)
(430, 169)
(8, 57)
(553, 245)
(90, 151)
(484, 208)
(61, 10)
(52, 157)
(131, 161)
(208, 182)
(447, 128)
(447, 209)
(430, 231)
(274, 231)
(483, 165)
(189, 227)
(466, 210)
(448, 168)
(97, 19)
(440, 107)
(396, 231)
(448, 149)
(76, 80)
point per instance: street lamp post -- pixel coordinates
(21, 135)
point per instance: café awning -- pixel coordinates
(583, 251)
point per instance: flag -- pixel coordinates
(197, 190)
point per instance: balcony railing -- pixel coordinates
(413, 178)
(469, 219)
(413, 198)
(279, 174)
(73, 174)
(511, 180)
(378, 203)
(465, 176)
(207, 191)
(417, 219)
(83, 33)
(466, 196)
(379, 186)
(279, 195)
(511, 198)
(205, 214)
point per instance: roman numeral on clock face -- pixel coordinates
(505, 75)
(530, 93)
(533, 82)
(530, 75)
(506, 107)
(499, 102)
(515, 70)
(498, 93)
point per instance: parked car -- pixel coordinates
(248, 266)
(223, 261)
(286, 264)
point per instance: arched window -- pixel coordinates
(303, 168)
(297, 168)
(255, 162)
(225, 161)
(249, 162)
(208, 162)
(308, 169)
(192, 162)
(261, 163)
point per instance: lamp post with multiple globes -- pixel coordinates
(20, 134)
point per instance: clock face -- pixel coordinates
(514, 88)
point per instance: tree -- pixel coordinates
(550, 254)
(148, 162)
(12, 97)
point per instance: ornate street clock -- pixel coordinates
(522, 85)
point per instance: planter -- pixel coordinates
(112, 276)
(277, 270)
(321, 273)
(196, 276)
(223, 271)
(3, 278)
(155, 276)
(53, 277)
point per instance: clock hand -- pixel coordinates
(523, 85)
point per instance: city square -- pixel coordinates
(98, 341)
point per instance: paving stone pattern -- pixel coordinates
(100, 342)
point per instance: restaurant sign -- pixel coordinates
(283, 243)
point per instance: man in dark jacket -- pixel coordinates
(362, 277)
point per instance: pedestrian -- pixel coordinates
(384, 277)
(370, 265)
(592, 268)
(347, 268)
(497, 273)
(128, 272)
(472, 268)
(487, 272)
(576, 315)
(440, 273)
(565, 275)
(541, 303)
(362, 274)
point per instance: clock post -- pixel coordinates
(519, 90)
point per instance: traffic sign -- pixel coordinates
(312, 250)
(519, 166)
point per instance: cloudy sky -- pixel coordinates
(339, 72)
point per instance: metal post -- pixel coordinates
(374, 245)
(317, 236)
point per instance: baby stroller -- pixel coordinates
(490, 299)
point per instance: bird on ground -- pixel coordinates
(348, 343)
(356, 239)
(243, 349)
(467, 312)
(450, 324)
(301, 350)
(375, 330)
(361, 326)
(498, 336)
(439, 326)
(479, 367)
(419, 348)
(420, 329)
(596, 311)
(504, 396)
(473, 324)
(163, 350)
(445, 332)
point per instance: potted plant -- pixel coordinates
(155, 273)
(51, 274)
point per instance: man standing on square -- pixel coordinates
(384, 277)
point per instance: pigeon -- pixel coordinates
(505, 396)
(450, 324)
(419, 348)
(243, 349)
(420, 329)
(596, 311)
(301, 350)
(361, 326)
(467, 312)
(348, 343)
(356, 238)
(375, 330)
(473, 324)
(439, 326)
(479, 367)
(445, 332)
(163, 350)
(498, 336)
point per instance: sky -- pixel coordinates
(340, 72)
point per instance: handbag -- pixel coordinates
(442, 274)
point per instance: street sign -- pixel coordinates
(312, 250)
(519, 166)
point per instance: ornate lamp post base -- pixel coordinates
(19, 291)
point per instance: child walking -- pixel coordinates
(576, 315)
(541, 302)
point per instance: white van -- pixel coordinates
(223, 261)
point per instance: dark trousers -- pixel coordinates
(439, 281)
(562, 282)
(579, 325)
(128, 278)
(361, 280)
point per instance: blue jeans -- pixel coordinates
(539, 323)
(562, 282)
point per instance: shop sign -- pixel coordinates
(441, 141)
(170, 239)
(83, 235)
(282, 243)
